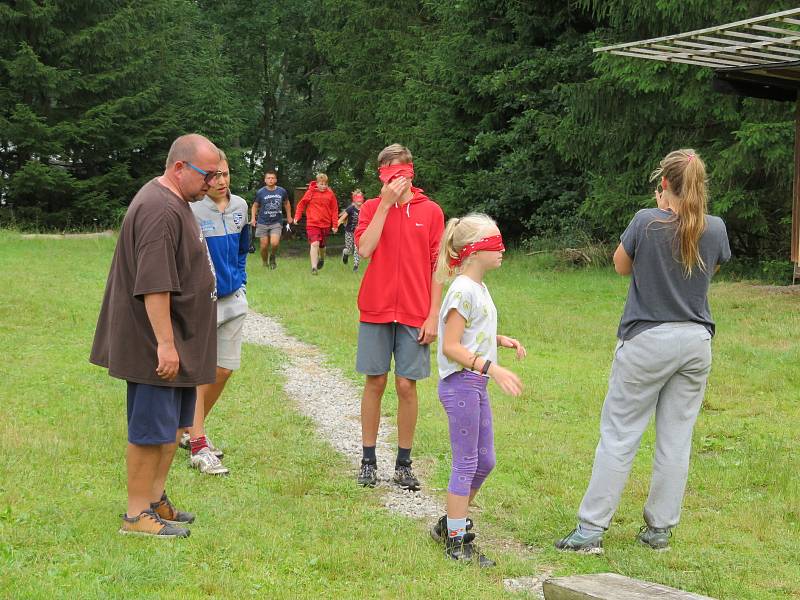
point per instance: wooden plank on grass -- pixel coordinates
(611, 586)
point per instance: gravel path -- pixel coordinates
(333, 402)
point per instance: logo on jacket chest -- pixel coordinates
(206, 225)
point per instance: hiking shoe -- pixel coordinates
(345, 257)
(577, 542)
(184, 441)
(206, 462)
(272, 262)
(214, 450)
(169, 514)
(439, 529)
(368, 475)
(404, 476)
(655, 538)
(313, 271)
(320, 263)
(149, 523)
(463, 548)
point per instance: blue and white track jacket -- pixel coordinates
(228, 237)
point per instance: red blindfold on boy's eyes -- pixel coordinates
(389, 172)
(493, 243)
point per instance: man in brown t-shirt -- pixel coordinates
(157, 327)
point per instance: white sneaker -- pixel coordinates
(206, 462)
(214, 450)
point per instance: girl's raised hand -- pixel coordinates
(508, 342)
(507, 380)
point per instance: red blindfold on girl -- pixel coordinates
(389, 172)
(493, 243)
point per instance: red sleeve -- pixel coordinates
(364, 217)
(334, 211)
(301, 206)
(435, 234)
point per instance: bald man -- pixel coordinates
(157, 327)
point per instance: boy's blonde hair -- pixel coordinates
(457, 234)
(357, 192)
(394, 152)
(322, 177)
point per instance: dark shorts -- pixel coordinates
(155, 412)
(377, 342)
(317, 234)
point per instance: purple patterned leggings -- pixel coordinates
(466, 402)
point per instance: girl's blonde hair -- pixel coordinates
(457, 234)
(685, 172)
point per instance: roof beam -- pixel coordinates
(783, 15)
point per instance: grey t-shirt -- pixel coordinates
(659, 291)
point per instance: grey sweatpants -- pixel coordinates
(662, 370)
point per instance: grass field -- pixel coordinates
(290, 523)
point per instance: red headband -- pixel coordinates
(389, 172)
(493, 243)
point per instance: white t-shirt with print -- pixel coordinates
(473, 301)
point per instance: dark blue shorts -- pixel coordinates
(155, 412)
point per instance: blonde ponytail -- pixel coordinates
(685, 172)
(457, 234)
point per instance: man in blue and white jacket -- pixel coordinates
(222, 218)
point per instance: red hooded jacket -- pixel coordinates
(397, 284)
(322, 209)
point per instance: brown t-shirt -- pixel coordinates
(160, 249)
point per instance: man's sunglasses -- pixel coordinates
(208, 176)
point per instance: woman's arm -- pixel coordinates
(622, 262)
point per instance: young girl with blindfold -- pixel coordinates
(467, 358)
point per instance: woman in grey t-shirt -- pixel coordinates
(663, 357)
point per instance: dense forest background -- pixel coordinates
(502, 102)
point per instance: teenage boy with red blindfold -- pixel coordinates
(399, 231)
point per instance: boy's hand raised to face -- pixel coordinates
(393, 192)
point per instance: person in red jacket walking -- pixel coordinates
(399, 231)
(322, 215)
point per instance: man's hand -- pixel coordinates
(508, 342)
(253, 222)
(168, 361)
(429, 330)
(393, 192)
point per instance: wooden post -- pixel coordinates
(796, 196)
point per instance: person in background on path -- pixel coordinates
(322, 215)
(222, 218)
(350, 216)
(663, 356)
(467, 358)
(156, 328)
(266, 216)
(399, 231)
